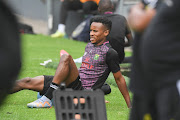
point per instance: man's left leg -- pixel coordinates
(35, 84)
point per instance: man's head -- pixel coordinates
(105, 6)
(99, 29)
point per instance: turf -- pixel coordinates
(36, 49)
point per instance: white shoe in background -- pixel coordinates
(46, 62)
(78, 60)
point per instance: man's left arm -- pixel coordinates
(121, 83)
(113, 64)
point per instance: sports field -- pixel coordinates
(35, 50)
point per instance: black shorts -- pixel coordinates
(161, 105)
(76, 85)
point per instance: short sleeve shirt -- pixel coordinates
(97, 63)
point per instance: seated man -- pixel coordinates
(98, 61)
(88, 7)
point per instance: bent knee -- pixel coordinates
(66, 58)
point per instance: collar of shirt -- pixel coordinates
(108, 12)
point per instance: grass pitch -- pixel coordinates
(35, 50)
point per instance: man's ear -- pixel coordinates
(106, 32)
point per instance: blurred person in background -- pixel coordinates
(89, 7)
(155, 70)
(10, 55)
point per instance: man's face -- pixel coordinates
(98, 33)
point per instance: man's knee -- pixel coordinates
(66, 58)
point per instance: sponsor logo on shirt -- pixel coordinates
(96, 57)
(87, 59)
(86, 65)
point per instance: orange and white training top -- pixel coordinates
(96, 1)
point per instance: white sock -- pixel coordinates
(61, 28)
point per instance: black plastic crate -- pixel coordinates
(84, 104)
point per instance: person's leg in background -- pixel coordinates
(66, 6)
(127, 60)
(90, 8)
(143, 107)
(168, 102)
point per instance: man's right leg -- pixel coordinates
(36, 84)
(90, 7)
(66, 72)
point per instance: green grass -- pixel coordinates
(36, 49)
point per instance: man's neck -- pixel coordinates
(101, 43)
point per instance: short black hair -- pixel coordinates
(102, 19)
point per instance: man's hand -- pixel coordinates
(139, 17)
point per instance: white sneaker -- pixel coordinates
(46, 62)
(42, 102)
